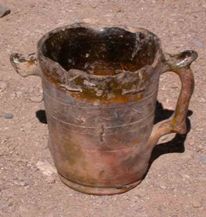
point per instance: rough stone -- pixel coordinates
(8, 115)
(196, 203)
(4, 11)
(46, 168)
(20, 183)
(36, 98)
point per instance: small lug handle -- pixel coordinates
(25, 65)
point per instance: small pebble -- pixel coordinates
(46, 168)
(8, 115)
(89, 20)
(196, 203)
(20, 183)
(10, 204)
(163, 187)
(4, 11)
(185, 176)
(36, 98)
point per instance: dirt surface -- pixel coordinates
(175, 185)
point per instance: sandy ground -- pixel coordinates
(175, 185)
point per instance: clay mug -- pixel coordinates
(100, 88)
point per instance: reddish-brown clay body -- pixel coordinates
(100, 87)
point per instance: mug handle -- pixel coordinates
(180, 65)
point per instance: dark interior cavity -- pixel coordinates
(102, 52)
